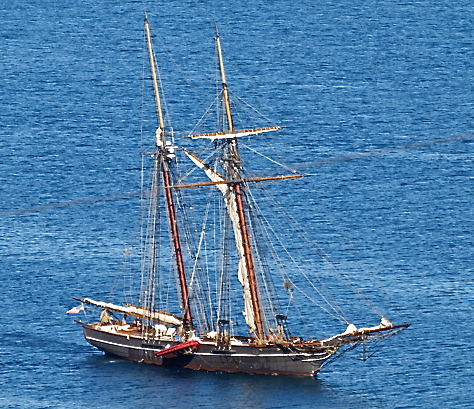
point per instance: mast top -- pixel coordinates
(160, 132)
(225, 88)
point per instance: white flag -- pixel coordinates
(76, 310)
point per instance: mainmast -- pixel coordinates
(233, 167)
(163, 157)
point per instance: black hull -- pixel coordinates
(267, 359)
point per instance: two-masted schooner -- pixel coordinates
(200, 329)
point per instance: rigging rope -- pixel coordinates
(292, 170)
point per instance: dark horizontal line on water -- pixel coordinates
(382, 151)
(59, 205)
(302, 166)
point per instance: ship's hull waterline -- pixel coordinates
(269, 359)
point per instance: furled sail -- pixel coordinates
(234, 134)
(229, 198)
(133, 310)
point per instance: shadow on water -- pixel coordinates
(186, 387)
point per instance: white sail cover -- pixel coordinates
(229, 199)
(234, 134)
(133, 310)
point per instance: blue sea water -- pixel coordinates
(343, 77)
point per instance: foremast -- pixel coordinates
(233, 168)
(163, 157)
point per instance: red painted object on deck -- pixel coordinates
(176, 349)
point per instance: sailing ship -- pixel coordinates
(198, 328)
